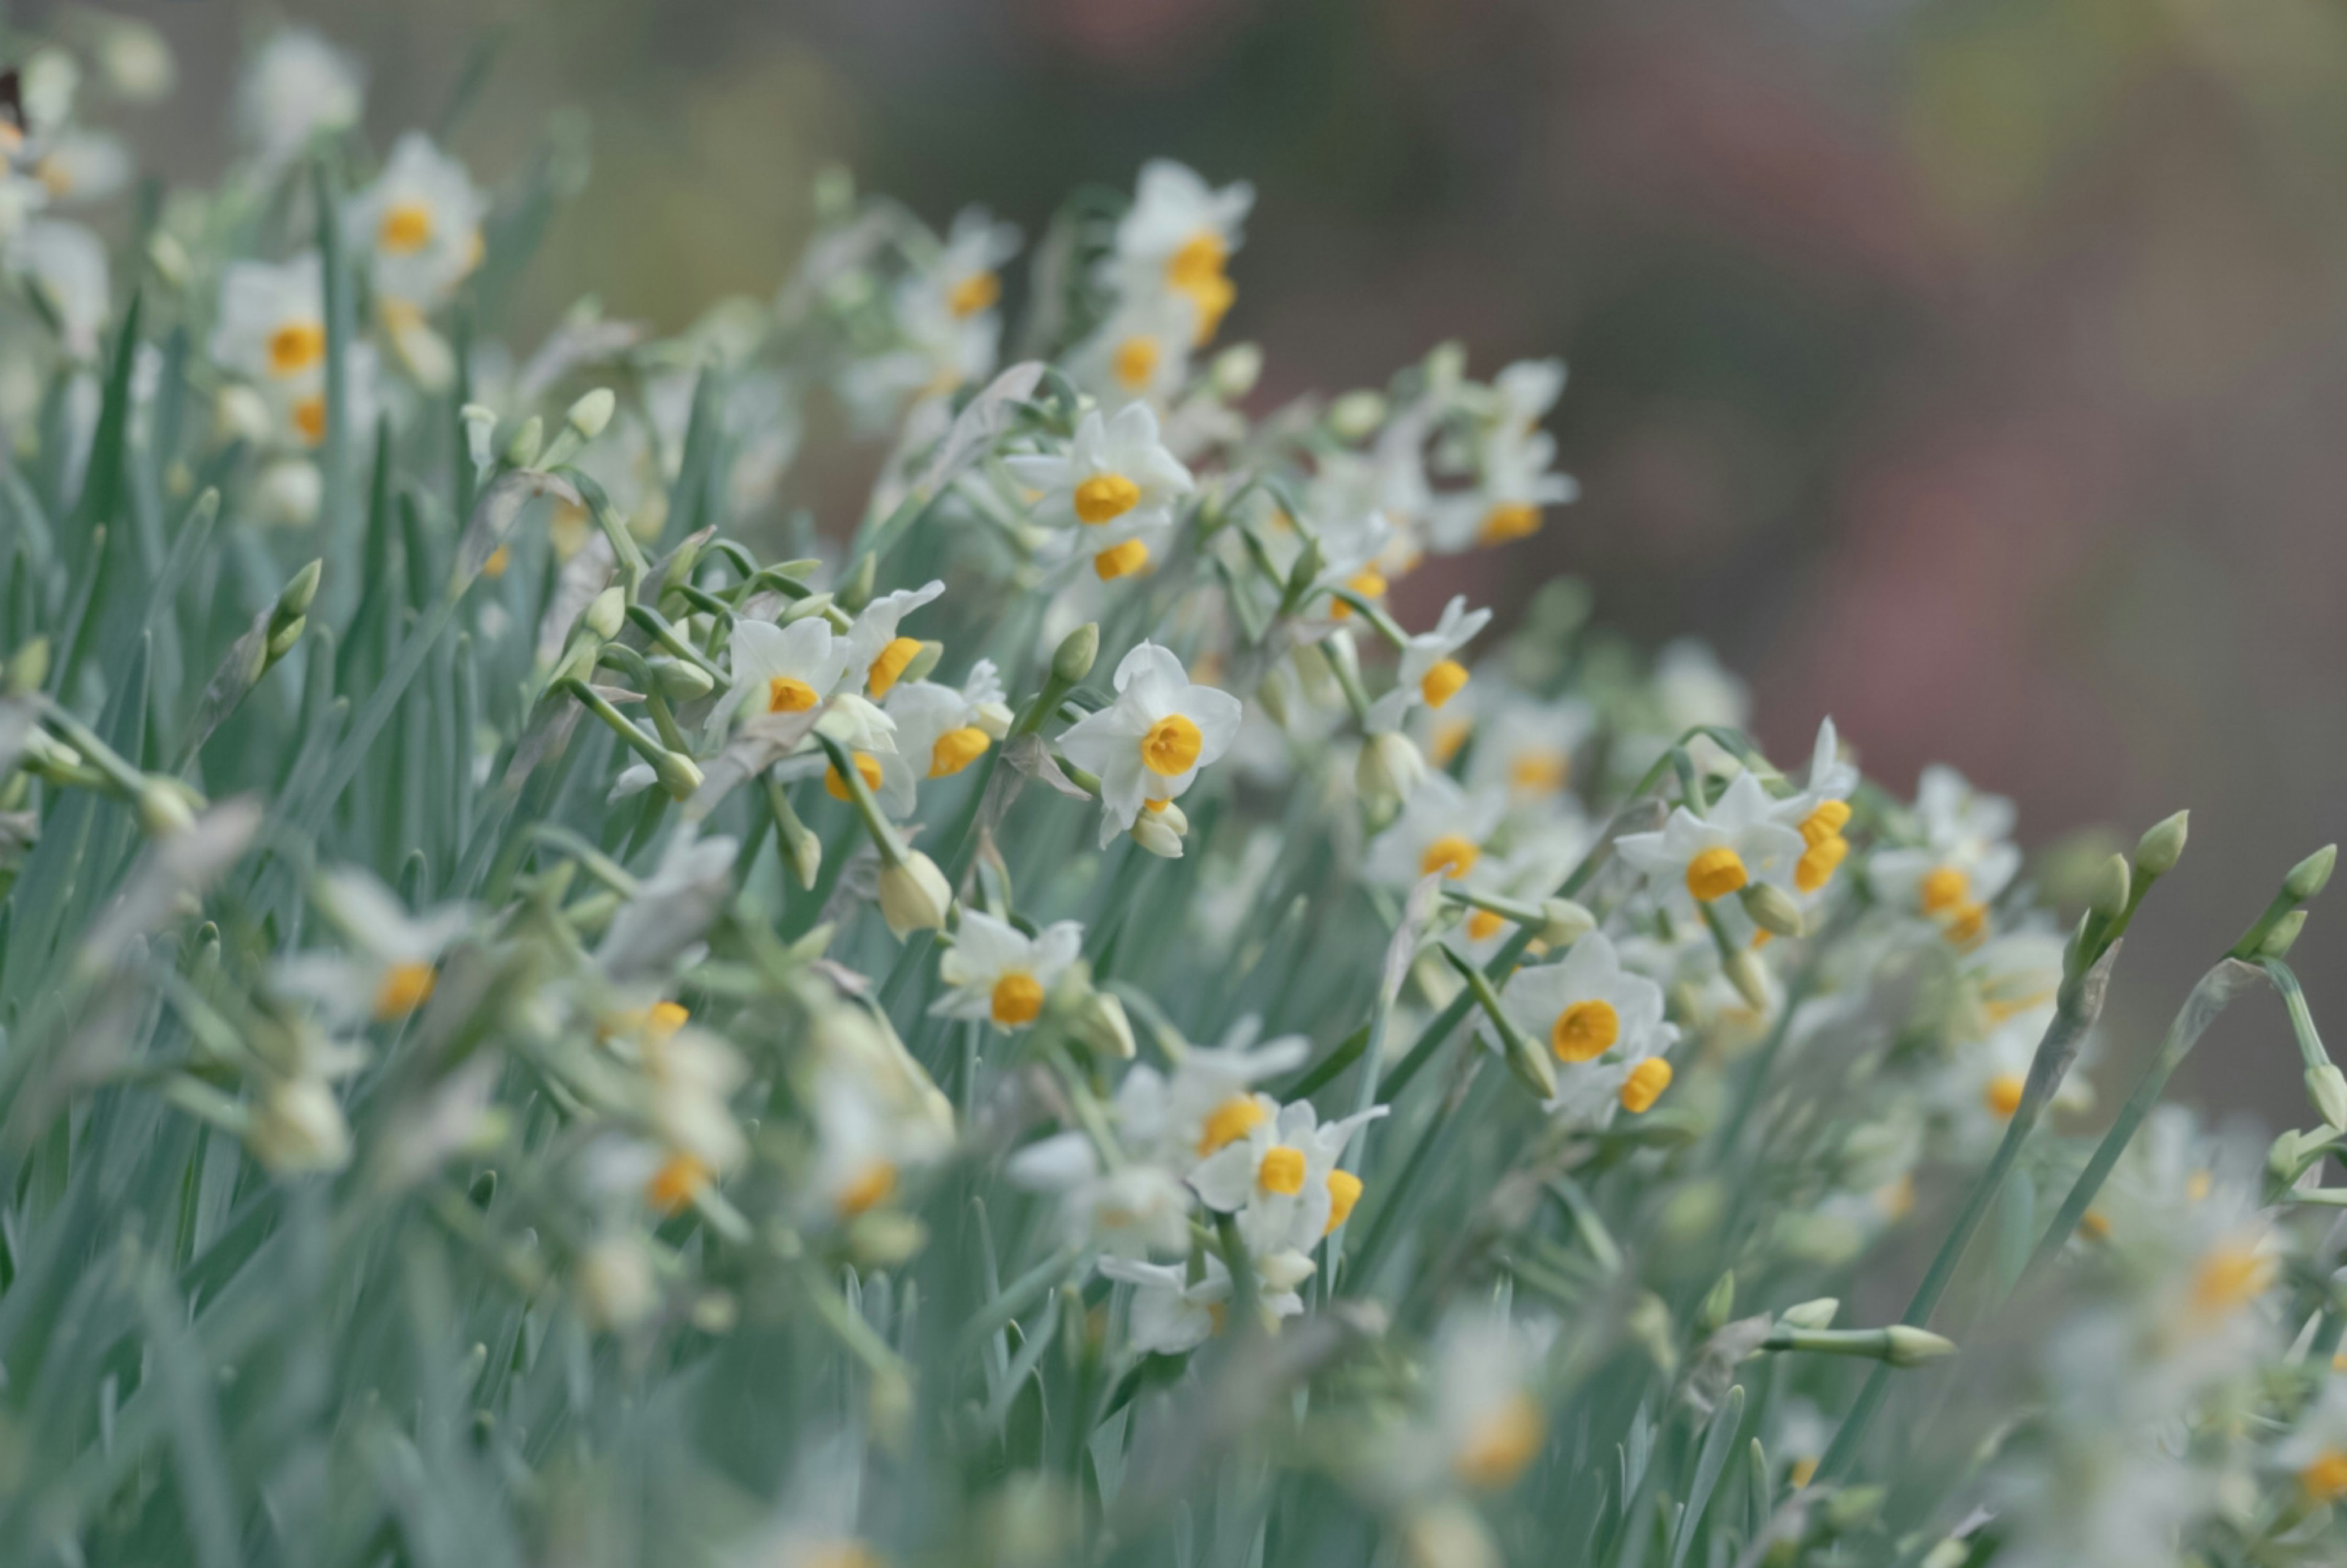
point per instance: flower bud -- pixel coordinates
(28, 666)
(1355, 415)
(854, 591)
(592, 413)
(1564, 922)
(297, 1125)
(2308, 876)
(1718, 1302)
(1529, 1064)
(606, 612)
(993, 719)
(1234, 372)
(681, 681)
(1156, 837)
(1771, 908)
(170, 259)
(2162, 845)
(1448, 1534)
(1390, 767)
(924, 662)
(1099, 1022)
(1908, 1345)
(134, 60)
(164, 808)
(1074, 659)
(240, 413)
(2282, 1159)
(914, 895)
(615, 1282)
(288, 494)
(296, 597)
(480, 423)
(1749, 977)
(2327, 1088)
(2108, 895)
(523, 449)
(2283, 936)
(678, 773)
(282, 638)
(1817, 1313)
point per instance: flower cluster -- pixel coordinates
(559, 1011)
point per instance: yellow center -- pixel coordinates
(403, 989)
(675, 1183)
(974, 294)
(1818, 862)
(1198, 262)
(1966, 923)
(296, 346)
(1135, 362)
(406, 227)
(1369, 582)
(1452, 855)
(1482, 924)
(659, 1021)
(1714, 873)
(1122, 561)
(867, 767)
(1646, 1085)
(1344, 1192)
(1502, 1444)
(1172, 745)
(1827, 822)
(1585, 1030)
(870, 1187)
(499, 559)
(2230, 1277)
(889, 667)
(1538, 773)
(1442, 682)
(1282, 1171)
(789, 694)
(1449, 735)
(2324, 1477)
(1104, 497)
(1804, 1471)
(1229, 1121)
(309, 418)
(1943, 888)
(956, 750)
(1508, 521)
(1017, 998)
(2003, 1095)
(2095, 1225)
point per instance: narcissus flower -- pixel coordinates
(1176, 240)
(997, 973)
(1149, 745)
(1701, 859)
(298, 85)
(939, 733)
(1441, 828)
(419, 224)
(779, 670)
(1820, 812)
(1280, 1177)
(1601, 1025)
(395, 965)
(876, 656)
(1115, 484)
(1517, 485)
(1209, 1100)
(1429, 673)
(1963, 862)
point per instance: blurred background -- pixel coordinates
(1972, 370)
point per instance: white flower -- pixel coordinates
(1208, 1102)
(1429, 673)
(396, 966)
(1149, 745)
(1140, 356)
(876, 656)
(670, 910)
(1176, 240)
(1170, 1315)
(1522, 747)
(1963, 862)
(1697, 859)
(1516, 483)
(689, 1072)
(1820, 811)
(967, 277)
(1133, 1211)
(1484, 1426)
(271, 329)
(781, 669)
(877, 1116)
(939, 732)
(1603, 1025)
(297, 85)
(1114, 484)
(1441, 828)
(80, 165)
(1281, 1177)
(1524, 393)
(994, 971)
(419, 223)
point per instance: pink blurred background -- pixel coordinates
(1976, 371)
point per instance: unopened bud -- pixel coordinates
(480, 423)
(1910, 1345)
(680, 681)
(678, 773)
(1100, 1022)
(914, 895)
(2108, 895)
(2308, 876)
(1746, 973)
(1564, 922)
(522, 450)
(2283, 936)
(1234, 372)
(2327, 1088)
(1649, 1323)
(1817, 1313)
(1306, 568)
(1073, 660)
(170, 259)
(282, 636)
(1390, 768)
(1156, 837)
(592, 413)
(923, 663)
(2162, 845)
(802, 851)
(993, 719)
(1718, 1302)
(1528, 1062)
(1771, 908)
(28, 666)
(163, 807)
(297, 595)
(2282, 1159)
(606, 612)
(1355, 415)
(854, 589)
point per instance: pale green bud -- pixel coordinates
(2283, 936)
(802, 851)
(2308, 877)
(2108, 895)
(2162, 845)
(1749, 977)
(854, 589)
(1073, 660)
(1817, 1313)
(1719, 1304)
(1771, 908)
(1234, 371)
(1649, 1323)
(164, 808)
(170, 259)
(295, 597)
(680, 681)
(1355, 415)
(2282, 1157)
(28, 666)
(1949, 1554)
(923, 663)
(2327, 1088)
(607, 613)
(592, 413)
(678, 773)
(523, 449)
(1909, 1346)
(1100, 1022)
(1390, 768)
(1156, 837)
(1529, 1064)
(282, 637)
(914, 895)
(1564, 922)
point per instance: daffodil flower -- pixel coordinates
(1964, 862)
(1429, 674)
(1115, 486)
(876, 655)
(1820, 812)
(1169, 1315)
(1135, 1210)
(1149, 745)
(1281, 1177)
(419, 224)
(1603, 1025)
(1701, 859)
(1441, 828)
(779, 670)
(997, 973)
(395, 965)
(1516, 483)
(877, 1117)
(1209, 1100)
(1176, 240)
(939, 733)
(297, 86)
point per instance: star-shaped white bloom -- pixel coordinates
(1208, 1102)
(1440, 827)
(1175, 242)
(996, 973)
(296, 87)
(1601, 1023)
(876, 656)
(1701, 859)
(394, 965)
(1964, 862)
(939, 732)
(1115, 482)
(1149, 745)
(1281, 1178)
(1429, 673)
(782, 668)
(1516, 483)
(419, 224)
